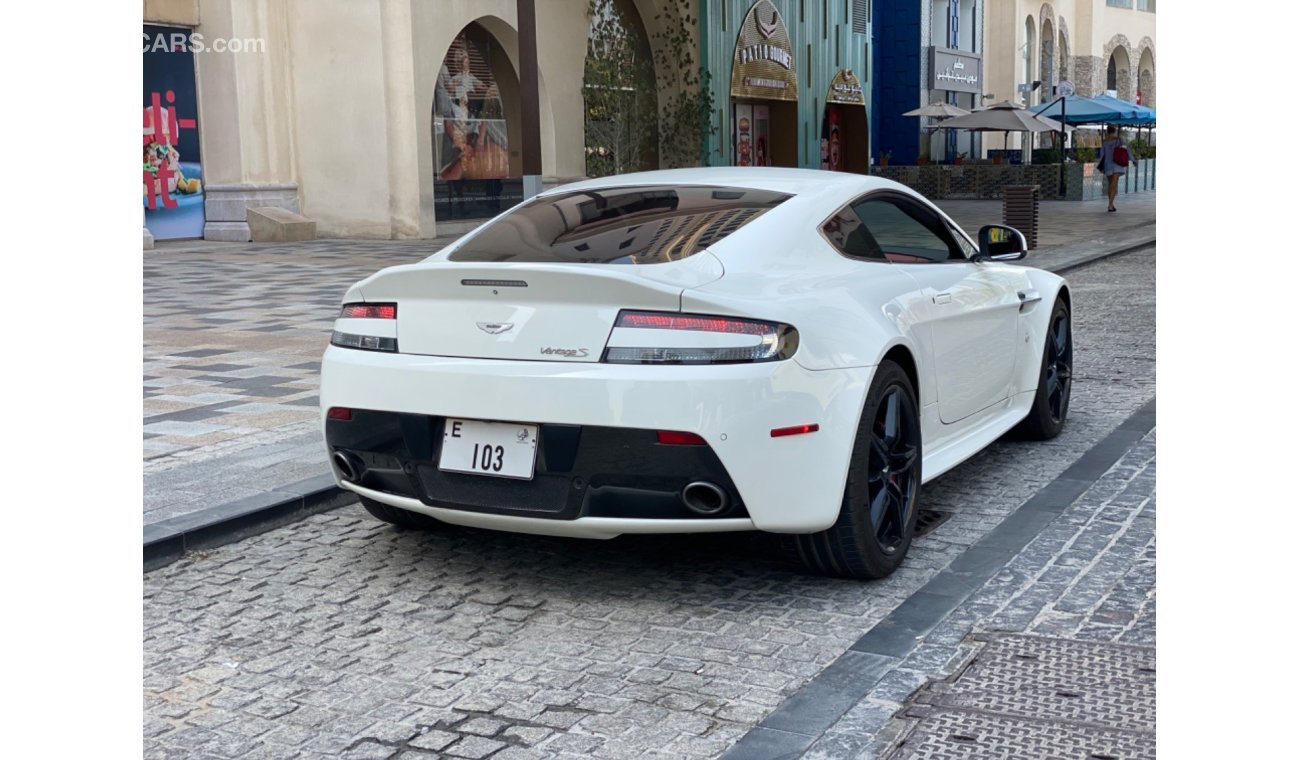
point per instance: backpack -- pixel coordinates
(1120, 154)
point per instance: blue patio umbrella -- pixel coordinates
(1081, 110)
(1131, 114)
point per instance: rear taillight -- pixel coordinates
(647, 337)
(379, 337)
(368, 311)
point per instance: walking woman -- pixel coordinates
(1112, 168)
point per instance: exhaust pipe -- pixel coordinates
(704, 498)
(348, 466)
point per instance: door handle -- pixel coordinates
(942, 298)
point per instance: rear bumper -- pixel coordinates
(790, 484)
(580, 470)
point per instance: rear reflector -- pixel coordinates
(796, 430)
(676, 438)
(339, 413)
(368, 311)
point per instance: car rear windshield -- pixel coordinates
(619, 225)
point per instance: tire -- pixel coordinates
(885, 471)
(402, 518)
(1052, 401)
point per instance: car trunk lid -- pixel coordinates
(539, 312)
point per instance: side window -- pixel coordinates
(905, 232)
(846, 232)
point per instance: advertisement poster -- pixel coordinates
(762, 140)
(173, 177)
(470, 138)
(742, 117)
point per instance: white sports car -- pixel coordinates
(695, 350)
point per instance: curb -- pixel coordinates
(1127, 246)
(169, 540)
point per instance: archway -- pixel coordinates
(620, 96)
(844, 126)
(764, 91)
(1147, 78)
(475, 121)
(1118, 76)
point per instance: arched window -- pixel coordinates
(1112, 78)
(475, 123)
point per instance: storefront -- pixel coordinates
(844, 125)
(764, 92)
(475, 117)
(783, 77)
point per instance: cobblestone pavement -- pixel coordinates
(342, 636)
(234, 333)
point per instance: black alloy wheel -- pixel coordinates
(1052, 401)
(892, 469)
(1060, 366)
(877, 516)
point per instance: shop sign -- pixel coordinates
(956, 71)
(763, 66)
(845, 88)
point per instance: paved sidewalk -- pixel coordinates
(234, 334)
(1053, 656)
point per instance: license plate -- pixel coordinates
(499, 449)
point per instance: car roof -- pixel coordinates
(792, 181)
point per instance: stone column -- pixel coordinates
(246, 106)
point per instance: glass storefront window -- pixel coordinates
(474, 176)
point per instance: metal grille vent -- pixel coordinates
(859, 16)
(929, 519)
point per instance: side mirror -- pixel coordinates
(1001, 243)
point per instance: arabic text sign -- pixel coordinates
(956, 71)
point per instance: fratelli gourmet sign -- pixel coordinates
(763, 66)
(956, 71)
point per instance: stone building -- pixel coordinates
(372, 118)
(1098, 45)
